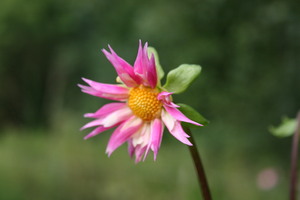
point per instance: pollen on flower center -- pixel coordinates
(144, 103)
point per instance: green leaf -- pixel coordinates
(285, 129)
(192, 114)
(179, 79)
(159, 69)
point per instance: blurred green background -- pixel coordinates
(249, 51)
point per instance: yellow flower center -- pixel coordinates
(144, 103)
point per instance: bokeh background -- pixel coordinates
(249, 51)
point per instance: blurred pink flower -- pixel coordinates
(143, 109)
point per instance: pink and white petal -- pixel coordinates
(123, 133)
(93, 123)
(164, 95)
(117, 117)
(139, 152)
(106, 109)
(106, 95)
(142, 136)
(168, 120)
(175, 128)
(157, 129)
(174, 112)
(107, 88)
(146, 135)
(96, 131)
(179, 134)
(131, 148)
(166, 99)
(124, 70)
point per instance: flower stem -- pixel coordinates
(199, 167)
(294, 159)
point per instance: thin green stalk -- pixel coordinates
(294, 160)
(199, 167)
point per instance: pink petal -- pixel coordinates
(179, 133)
(106, 109)
(95, 122)
(109, 120)
(152, 74)
(131, 148)
(96, 131)
(124, 70)
(168, 120)
(175, 128)
(142, 136)
(139, 152)
(165, 97)
(116, 117)
(145, 67)
(106, 88)
(139, 67)
(174, 112)
(157, 129)
(123, 133)
(107, 91)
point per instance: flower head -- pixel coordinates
(142, 110)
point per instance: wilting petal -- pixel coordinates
(175, 128)
(106, 109)
(174, 112)
(123, 133)
(107, 91)
(96, 131)
(124, 70)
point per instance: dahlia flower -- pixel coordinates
(143, 106)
